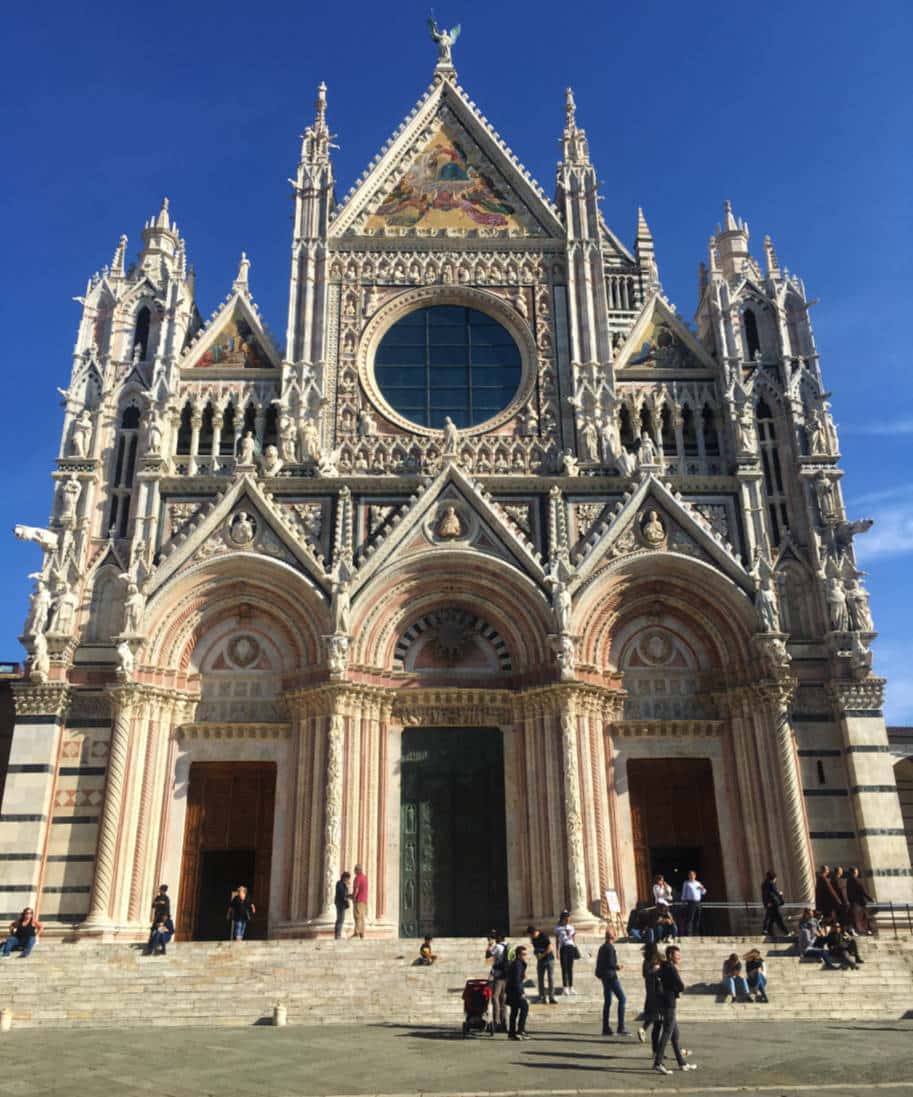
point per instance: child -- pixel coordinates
(425, 955)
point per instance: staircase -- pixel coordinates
(326, 982)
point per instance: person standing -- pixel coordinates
(653, 962)
(827, 901)
(23, 934)
(161, 909)
(858, 899)
(693, 892)
(240, 911)
(497, 953)
(607, 968)
(516, 995)
(360, 899)
(565, 935)
(341, 902)
(671, 986)
(772, 898)
(545, 964)
(838, 880)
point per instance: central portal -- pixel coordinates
(453, 853)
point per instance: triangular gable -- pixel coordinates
(660, 341)
(447, 171)
(487, 527)
(654, 519)
(215, 531)
(234, 339)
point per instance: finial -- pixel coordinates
(117, 263)
(320, 106)
(773, 264)
(570, 107)
(241, 282)
(643, 229)
(163, 221)
(729, 222)
(445, 40)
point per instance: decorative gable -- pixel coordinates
(660, 341)
(235, 339)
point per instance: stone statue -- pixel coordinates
(134, 605)
(824, 493)
(561, 606)
(653, 530)
(271, 463)
(39, 608)
(589, 441)
(328, 462)
(648, 453)
(569, 464)
(64, 613)
(367, 424)
(46, 538)
(309, 437)
(40, 662)
(774, 655)
(242, 530)
(766, 605)
(153, 433)
(445, 40)
(626, 462)
(337, 654)
(125, 660)
(858, 607)
(82, 429)
(529, 424)
(450, 525)
(246, 449)
(69, 496)
(817, 434)
(287, 438)
(860, 657)
(340, 607)
(564, 649)
(837, 606)
(451, 437)
(745, 428)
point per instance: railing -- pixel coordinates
(746, 919)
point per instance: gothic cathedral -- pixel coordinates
(499, 579)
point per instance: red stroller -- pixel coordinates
(476, 996)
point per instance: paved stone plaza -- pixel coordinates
(837, 1059)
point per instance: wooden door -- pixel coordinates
(228, 828)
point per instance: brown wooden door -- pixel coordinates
(228, 839)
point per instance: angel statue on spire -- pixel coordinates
(445, 40)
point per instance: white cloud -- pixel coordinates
(891, 535)
(899, 426)
(883, 495)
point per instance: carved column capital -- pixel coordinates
(48, 699)
(864, 696)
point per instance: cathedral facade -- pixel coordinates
(499, 579)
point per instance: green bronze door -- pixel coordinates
(453, 858)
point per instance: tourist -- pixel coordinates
(640, 923)
(693, 892)
(360, 899)
(670, 987)
(838, 880)
(809, 940)
(23, 934)
(160, 937)
(567, 951)
(497, 953)
(341, 901)
(858, 899)
(842, 948)
(516, 995)
(664, 927)
(733, 979)
(161, 908)
(653, 961)
(662, 893)
(756, 971)
(826, 898)
(607, 968)
(772, 898)
(240, 911)
(425, 956)
(545, 964)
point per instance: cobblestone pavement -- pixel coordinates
(832, 1058)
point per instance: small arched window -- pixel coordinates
(125, 445)
(227, 438)
(711, 435)
(185, 431)
(141, 333)
(752, 339)
(669, 446)
(206, 430)
(626, 428)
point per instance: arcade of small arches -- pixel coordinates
(325, 770)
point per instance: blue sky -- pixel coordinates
(799, 113)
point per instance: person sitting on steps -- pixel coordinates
(162, 932)
(425, 956)
(843, 948)
(809, 940)
(733, 979)
(757, 974)
(23, 935)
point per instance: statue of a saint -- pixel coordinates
(64, 613)
(648, 454)
(271, 463)
(242, 529)
(589, 441)
(246, 449)
(82, 429)
(367, 424)
(125, 660)
(69, 497)
(858, 606)
(450, 525)
(309, 436)
(287, 438)
(153, 433)
(39, 608)
(817, 434)
(451, 437)
(445, 40)
(766, 604)
(745, 428)
(341, 607)
(653, 530)
(561, 606)
(40, 662)
(569, 464)
(134, 604)
(837, 605)
(337, 654)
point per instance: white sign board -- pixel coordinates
(611, 897)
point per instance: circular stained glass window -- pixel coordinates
(448, 360)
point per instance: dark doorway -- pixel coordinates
(674, 824)
(221, 871)
(453, 851)
(228, 839)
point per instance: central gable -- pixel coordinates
(446, 172)
(450, 184)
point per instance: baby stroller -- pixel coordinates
(476, 996)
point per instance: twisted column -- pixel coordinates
(576, 875)
(332, 824)
(98, 918)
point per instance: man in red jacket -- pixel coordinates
(359, 900)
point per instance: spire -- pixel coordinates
(240, 284)
(117, 263)
(315, 144)
(163, 221)
(732, 243)
(773, 265)
(646, 254)
(160, 238)
(729, 222)
(574, 145)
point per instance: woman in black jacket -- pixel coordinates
(772, 898)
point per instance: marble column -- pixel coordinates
(573, 819)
